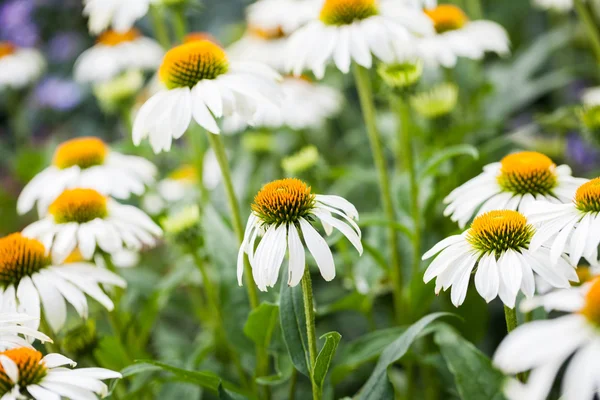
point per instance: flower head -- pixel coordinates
(120, 15)
(401, 75)
(447, 17)
(19, 67)
(282, 213)
(345, 12)
(438, 101)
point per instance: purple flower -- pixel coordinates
(582, 153)
(16, 24)
(65, 46)
(58, 94)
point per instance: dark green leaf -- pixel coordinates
(293, 326)
(261, 322)
(332, 339)
(135, 369)
(225, 394)
(430, 168)
(284, 369)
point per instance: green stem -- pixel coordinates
(590, 26)
(363, 85)
(309, 312)
(160, 28)
(510, 314)
(179, 23)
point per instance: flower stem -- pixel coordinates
(309, 312)
(179, 23)
(510, 315)
(363, 85)
(591, 27)
(160, 29)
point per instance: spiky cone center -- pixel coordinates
(31, 368)
(6, 49)
(447, 17)
(20, 257)
(345, 12)
(266, 34)
(185, 173)
(84, 152)
(527, 172)
(113, 38)
(78, 205)
(587, 197)
(189, 63)
(591, 308)
(283, 201)
(495, 232)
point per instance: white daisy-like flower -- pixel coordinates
(456, 37)
(513, 184)
(83, 219)
(19, 67)
(115, 53)
(497, 244)
(561, 6)
(87, 162)
(31, 280)
(14, 324)
(572, 228)
(355, 30)
(202, 84)
(306, 105)
(26, 373)
(542, 347)
(282, 214)
(118, 14)
(591, 97)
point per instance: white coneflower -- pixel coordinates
(282, 213)
(19, 67)
(115, 53)
(591, 97)
(497, 243)
(456, 37)
(87, 162)
(202, 84)
(573, 228)
(30, 280)
(27, 373)
(544, 346)
(84, 219)
(118, 14)
(12, 325)
(355, 30)
(561, 6)
(513, 183)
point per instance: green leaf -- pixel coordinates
(293, 326)
(225, 394)
(284, 368)
(261, 322)
(365, 222)
(475, 377)
(135, 369)
(378, 386)
(332, 339)
(352, 302)
(430, 168)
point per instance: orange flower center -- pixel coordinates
(591, 309)
(78, 205)
(498, 231)
(345, 12)
(447, 17)
(587, 197)
(198, 36)
(6, 49)
(84, 152)
(266, 34)
(527, 172)
(189, 63)
(185, 173)
(113, 38)
(20, 257)
(31, 368)
(283, 201)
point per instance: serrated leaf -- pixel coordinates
(441, 156)
(332, 339)
(261, 322)
(293, 326)
(475, 377)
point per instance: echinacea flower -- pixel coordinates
(456, 36)
(19, 67)
(591, 97)
(572, 228)
(497, 245)
(514, 184)
(30, 280)
(355, 30)
(201, 83)
(115, 53)
(544, 346)
(118, 14)
(561, 6)
(437, 101)
(87, 162)
(14, 324)
(27, 373)
(282, 213)
(84, 219)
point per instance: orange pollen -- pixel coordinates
(527, 172)
(447, 17)
(266, 34)
(78, 205)
(6, 49)
(84, 152)
(500, 230)
(584, 274)
(20, 257)
(587, 197)
(113, 38)
(199, 36)
(345, 12)
(185, 173)
(30, 365)
(283, 201)
(74, 257)
(189, 63)
(591, 309)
